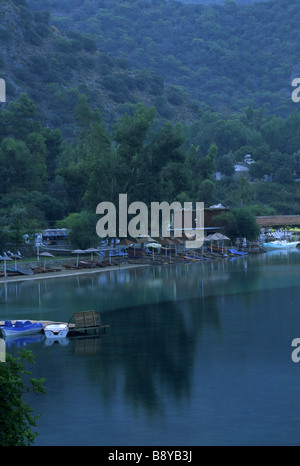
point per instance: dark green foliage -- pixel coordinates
(83, 231)
(17, 420)
(225, 54)
(239, 223)
(5, 35)
(44, 179)
(28, 158)
(166, 148)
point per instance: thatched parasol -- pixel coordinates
(46, 254)
(91, 251)
(125, 242)
(140, 240)
(78, 251)
(5, 259)
(164, 241)
(217, 237)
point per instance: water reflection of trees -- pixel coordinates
(157, 343)
(158, 317)
(152, 352)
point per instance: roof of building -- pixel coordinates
(242, 166)
(278, 220)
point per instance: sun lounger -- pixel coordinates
(87, 265)
(52, 269)
(202, 258)
(96, 263)
(71, 267)
(38, 270)
(192, 258)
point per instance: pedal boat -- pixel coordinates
(56, 331)
(20, 327)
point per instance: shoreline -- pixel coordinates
(68, 273)
(180, 259)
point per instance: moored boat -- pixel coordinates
(56, 331)
(20, 327)
(281, 245)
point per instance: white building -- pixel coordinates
(242, 168)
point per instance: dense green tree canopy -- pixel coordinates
(17, 420)
(106, 129)
(45, 179)
(226, 53)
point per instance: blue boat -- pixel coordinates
(21, 327)
(281, 245)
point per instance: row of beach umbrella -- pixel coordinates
(154, 243)
(217, 237)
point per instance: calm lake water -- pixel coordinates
(197, 354)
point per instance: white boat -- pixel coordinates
(281, 245)
(20, 327)
(56, 331)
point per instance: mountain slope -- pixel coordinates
(224, 55)
(55, 69)
(45, 178)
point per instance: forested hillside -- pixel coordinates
(224, 55)
(89, 127)
(45, 179)
(56, 69)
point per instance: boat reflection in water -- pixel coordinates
(22, 342)
(57, 341)
(82, 346)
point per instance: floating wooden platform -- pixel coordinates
(87, 321)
